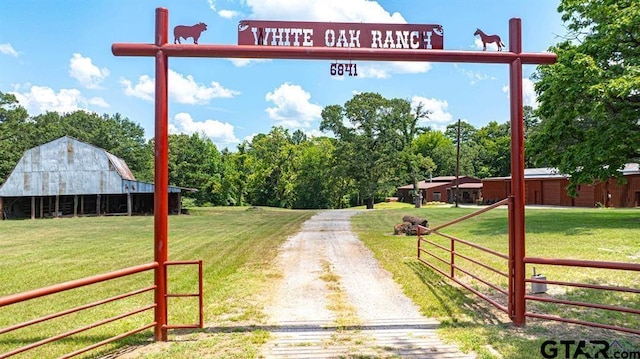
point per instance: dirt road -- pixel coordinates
(336, 301)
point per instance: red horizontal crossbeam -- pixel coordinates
(584, 263)
(329, 53)
(57, 288)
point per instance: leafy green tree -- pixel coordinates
(14, 134)
(440, 148)
(270, 158)
(314, 182)
(493, 148)
(231, 178)
(194, 162)
(116, 134)
(590, 99)
(406, 120)
(468, 150)
(367, 131)
(467, 131)
(531, 127)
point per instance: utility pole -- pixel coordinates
(457, 194)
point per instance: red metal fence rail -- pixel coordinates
(453, 253)
(200, 323)
(41, 292)
(620, 266)
(58, 288)
(511, 292)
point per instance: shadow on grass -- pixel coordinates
(484, 317)
(78, 342)
(451, 299)
(628, 301)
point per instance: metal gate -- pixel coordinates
(58, 288)
(515, 295)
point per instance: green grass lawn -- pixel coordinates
(604, 234)
(236, 245)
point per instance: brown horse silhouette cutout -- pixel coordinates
(185, 32)
(488, 39)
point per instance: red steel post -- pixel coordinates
(516, 234)
(510, 295)
(161, 195)
(452, 259)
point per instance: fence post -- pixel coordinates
(161, 195)
(516, 234)
(453, 256)
(419, 239)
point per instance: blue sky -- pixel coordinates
(56, 56)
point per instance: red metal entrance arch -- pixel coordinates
(162, 50)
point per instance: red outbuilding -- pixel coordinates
(545, 186)
(442, 189)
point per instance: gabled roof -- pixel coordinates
(547, 172)
(631, 169)
(438, 181)
(425, 185)
(121, 166)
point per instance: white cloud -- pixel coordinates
(438, 108)
(473, 76)
(529, 97)
(144, 89)
(98, 101)
(182, 89)
(212, 4)
(327, 10)
(219, 132)
(7, 49)
(40, 99)
(250, 137)
(384, 70)
(186, 90)
(89, 75)
(293, 109)
(315, 133)
(529, 93)
(229, 14)
(247, 62)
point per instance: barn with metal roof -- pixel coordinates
(67, 177)
(546, 186)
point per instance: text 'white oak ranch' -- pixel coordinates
(336, 34)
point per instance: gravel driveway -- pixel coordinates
(334, 300)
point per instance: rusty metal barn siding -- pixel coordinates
(64, 166)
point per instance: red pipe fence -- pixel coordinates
(427, 247)
(62, 287)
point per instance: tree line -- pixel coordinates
(587, 125)
(373, 145)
